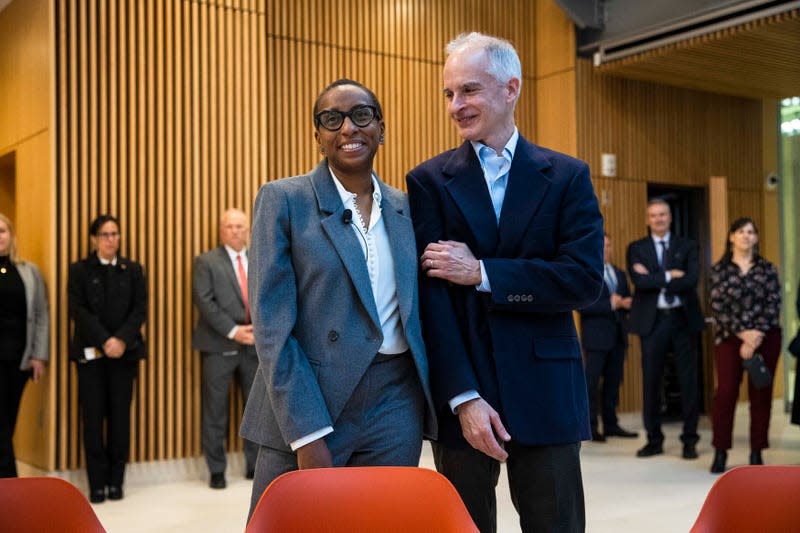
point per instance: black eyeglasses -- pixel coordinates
(332, 120)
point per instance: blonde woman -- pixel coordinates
(24, 337)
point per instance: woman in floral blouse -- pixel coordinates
(746, 303)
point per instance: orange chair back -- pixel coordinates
(384, 499)
(752, 499)
(45, 505)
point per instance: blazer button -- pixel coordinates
(517, 298)
(510, 298)
(333, 336)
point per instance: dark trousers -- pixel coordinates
(729, 375)
(607, 365)
(669, 333)
(12, 383)
(545, 482)
(105, 388)
(218, 372)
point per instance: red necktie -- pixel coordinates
(243, 288)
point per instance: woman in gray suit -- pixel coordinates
(343, 378)
(24, 337)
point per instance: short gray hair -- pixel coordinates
(504, 62)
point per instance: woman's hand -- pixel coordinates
(751, 337)
(37, 366)
(746, 351)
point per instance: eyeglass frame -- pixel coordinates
(376, 115)
(107, 235)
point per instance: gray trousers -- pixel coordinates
(218, 372)
(381, 425)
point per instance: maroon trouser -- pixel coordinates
(728, 363)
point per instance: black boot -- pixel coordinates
(720, 458)
(755, 457)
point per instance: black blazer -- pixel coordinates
(107, 303)
(682, 255)
(601, 327)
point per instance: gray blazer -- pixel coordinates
(218, 298)
(37, 339)
(314, 316)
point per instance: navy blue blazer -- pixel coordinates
(682, 254)
(602, 328)
(517, 346)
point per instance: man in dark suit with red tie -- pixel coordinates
(604, 336)
(224, 336)
(665, 313)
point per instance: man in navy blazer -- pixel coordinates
(510, 237)
(665, 313)
(604, 336)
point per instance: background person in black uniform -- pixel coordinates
(604, 336)
(24, 337)
(108, 303)
(666, 315)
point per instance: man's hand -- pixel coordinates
(674, 273)
(37, 366)
(616, 301)
(452, 261)
(114, 347)
(244, 335)
(314, 455)
(481, 426)
(625, 302)
(640, 269)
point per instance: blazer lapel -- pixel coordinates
(525, 190)
(227, 267)
(342, 237)
(404, 253)
(468, 189)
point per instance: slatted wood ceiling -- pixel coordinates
(757, 59)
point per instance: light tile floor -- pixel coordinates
(661, 494)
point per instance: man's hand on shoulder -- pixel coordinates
(452, 261)
(481, 426)
(315, 454)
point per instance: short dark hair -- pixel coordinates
(94, 227)
(340, 83)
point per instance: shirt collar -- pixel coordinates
(665, 238)
(348, 198)
(233, 253)
(508, 149)
(113, 262)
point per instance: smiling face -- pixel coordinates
(659, 217)
(351, 149)
(744, 239)
(481, 107)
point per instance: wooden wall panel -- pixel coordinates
(171, 111)
(664, 135)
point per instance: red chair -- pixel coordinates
(45, 505)
(752, 499)
(386, 499)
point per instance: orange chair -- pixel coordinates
(45, 505)
(752, 499)
(386, 499)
